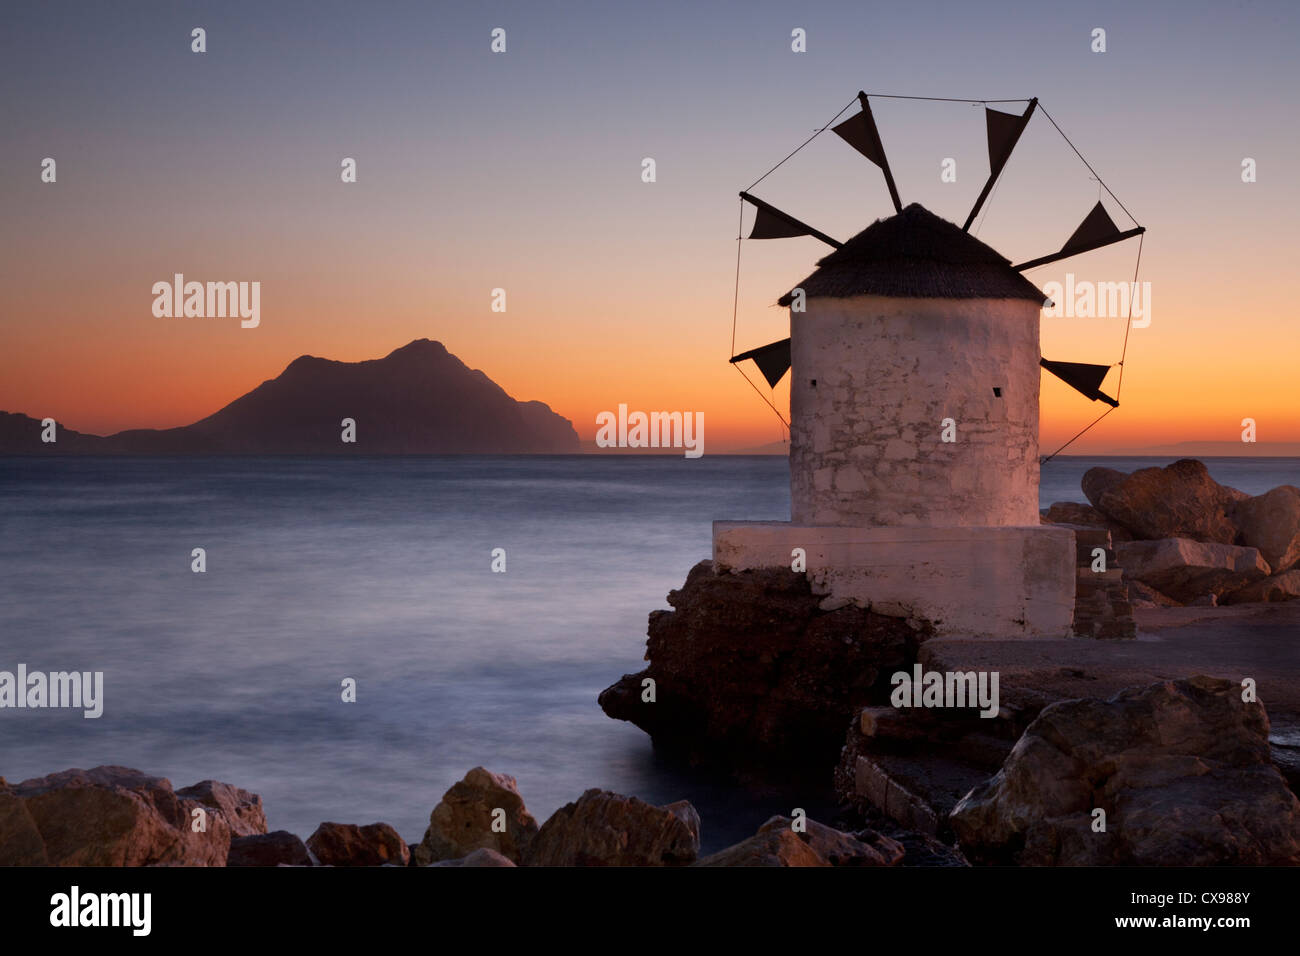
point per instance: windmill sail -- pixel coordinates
(768, 225)
(772, 360)
(1084, 379)
(772, 223)
(860, 132)
(1096, 230)
(1004, 131)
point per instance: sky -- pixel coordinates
(522, 171)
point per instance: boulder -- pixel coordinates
(1097, 481)
(1179, 501)
(1143, 595)
(750, 673)
(106, 816)
(484, 856)
(1279, 587)
(1078, 514)
(462, 820)
(864, 848)
(1271, 523)
(1180, 768)
(770, 848)
(608, 829)
(278, 848)
(1186, 570)
(242, 809)
(346, 844)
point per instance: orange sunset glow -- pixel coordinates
(620, 291)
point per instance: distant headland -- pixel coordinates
(418, 399)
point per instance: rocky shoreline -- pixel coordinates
(1092, 754)
(117, 816)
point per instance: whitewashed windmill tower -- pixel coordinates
(914, 468)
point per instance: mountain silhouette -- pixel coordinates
(417, 400)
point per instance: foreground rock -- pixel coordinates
(1076, 513)
(1280, 587)
(1271, 523)
(1179, 501)
(1186, 570)
(279, 848)
(866, 848)
(462, 822)
(1181, 769)
(771, 848)
(107, 816)
(480, 857)
(1143, 595)
(747, 670)
(346, 844)
(607, 829)
(242, 809)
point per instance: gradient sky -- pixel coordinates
(522, 171)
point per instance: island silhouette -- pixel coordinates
(418, 399)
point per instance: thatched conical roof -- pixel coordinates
(916, 254)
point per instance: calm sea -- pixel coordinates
(379, 570)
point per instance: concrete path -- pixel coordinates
(1261, 641)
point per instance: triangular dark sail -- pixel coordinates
(772, 360)
(1097, 229)
(768, 225)
(860, 132)
(1004, 130)
(772, 223)
(1084, 379)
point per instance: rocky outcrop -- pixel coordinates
(1143, 595)
(107, 816)
(1271, 523)
(1280, 587)
(865, 848)
(241, 809)
(1182, 502)
(1076, 513)
(607, 829)
(746, 670)
(1186, 570)
(1179, 501)
(1181, 770)
(1097, 481)
(770, 848)
(480, 857)
(463, 820)
(346, 844)
(278, 848)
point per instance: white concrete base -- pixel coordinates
(997, 583)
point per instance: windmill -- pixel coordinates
(1004, 129)
(915, 371)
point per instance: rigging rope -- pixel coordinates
(1042, 109)
(803, 144)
